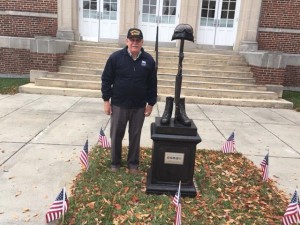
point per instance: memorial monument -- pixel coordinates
(174, 140)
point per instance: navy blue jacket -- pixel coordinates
(128, 83)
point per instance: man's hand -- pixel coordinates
(148, 110)
(107, 108)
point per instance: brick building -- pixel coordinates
(34, 35)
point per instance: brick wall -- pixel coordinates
(284, 42)
(282, 14)
(44, 6)
(14, 61)
(292, 76)
(264, 75)
(28, 26)
(49, 62)
(21, 26)
(20, 61)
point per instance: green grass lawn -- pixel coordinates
(11, 85)
(230, 191)
(292, 96)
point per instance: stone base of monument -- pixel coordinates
(173, 159)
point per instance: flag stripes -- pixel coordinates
(103, 141)
(265, 168)
(292, 213)
(177, 203)
(84, 159)
(229, 145)
(58, 207)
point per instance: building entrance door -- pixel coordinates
(162, 12)
(99, 19)
(218, 22)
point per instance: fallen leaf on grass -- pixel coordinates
(134, 199)
(91, 205)
(141, 216)
(118, 206)
(126, 189)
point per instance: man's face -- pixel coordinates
(134, 45)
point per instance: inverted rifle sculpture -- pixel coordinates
(182, 32)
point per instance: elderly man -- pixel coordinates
(129, 91)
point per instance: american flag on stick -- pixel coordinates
(177, 203)
(292, 213)
(59, 207)
(103, 141)
(229, 146)
(84, 155)
(265, 168)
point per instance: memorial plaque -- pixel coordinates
(174, 158)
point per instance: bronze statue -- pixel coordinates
(182, 32)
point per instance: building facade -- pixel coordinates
(35, 34)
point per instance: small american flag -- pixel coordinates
(103, 140)
(84, 155)
(292, 213)
(265, 168)
(58, 208)
(229, 146)
(177, 203)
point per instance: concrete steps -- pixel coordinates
(279, 103)
(209, 77)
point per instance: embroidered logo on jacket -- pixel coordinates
(143, 63)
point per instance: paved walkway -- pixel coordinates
(41, 137)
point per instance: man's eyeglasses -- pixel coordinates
(137, 40)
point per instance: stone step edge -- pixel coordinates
(201, 70)
(162, 86)
(175, 66)
(186, 57)
(167, 57)
(185, 76)
(278, 103)
(216, 83)
(31, 88)
(281, 103)
(171, 81)
(220, 90)
(206, 76)
(113, 49)
(165, 50)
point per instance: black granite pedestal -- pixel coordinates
(173, 159)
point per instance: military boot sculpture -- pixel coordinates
(182, 32)
(165, 119)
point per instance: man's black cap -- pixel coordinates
(135, 33)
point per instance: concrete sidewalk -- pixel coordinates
(41, 137)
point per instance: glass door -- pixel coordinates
(164, 13)
(218, 22)
(99, 19)
(89, 20)
(109, 23)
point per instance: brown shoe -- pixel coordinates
(133, 171)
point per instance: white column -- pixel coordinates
(67, 19)
(128, 18)
(248, 25)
